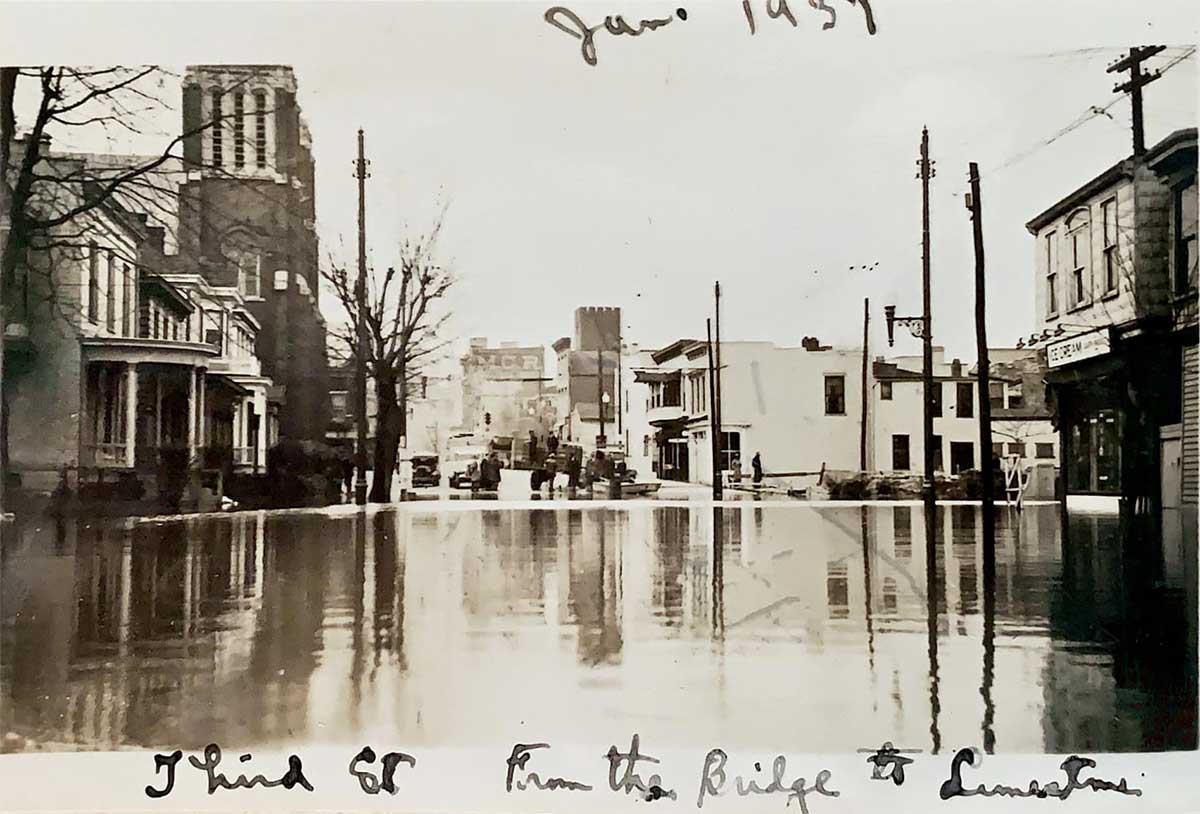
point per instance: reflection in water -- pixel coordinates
(730, 624)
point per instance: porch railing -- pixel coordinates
(108, 454)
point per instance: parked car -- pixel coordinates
(425, 470)
(463, 466)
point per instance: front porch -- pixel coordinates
(142, 419)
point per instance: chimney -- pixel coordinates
(956, 368)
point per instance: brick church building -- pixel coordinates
(247, 218)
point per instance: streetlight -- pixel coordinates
(604, 401)
(919, 328)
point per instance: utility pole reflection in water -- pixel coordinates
(931, 590)
(989, 631)
(718, 574)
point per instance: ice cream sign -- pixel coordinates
(1077, 348)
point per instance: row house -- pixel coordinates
(796, 407)
(803, 410)
(111, 374)
(1022, 432)
(1116, 299)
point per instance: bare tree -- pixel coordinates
(405, 317)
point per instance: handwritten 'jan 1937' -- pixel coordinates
(570, 23)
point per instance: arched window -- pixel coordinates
(1079, 259)
(260, 130)
(218, 140)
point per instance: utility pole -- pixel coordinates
(620, 388)
(600, 393)
(718, 436)
(975, 204)
(360, 360)
(927, 172)
(1132, 62)
(713, 425)
(866, 360)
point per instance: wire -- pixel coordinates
(1083, 118)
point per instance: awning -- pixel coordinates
(228, 383)
(656, 376)
(1088, 370)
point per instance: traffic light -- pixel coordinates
(487, 419)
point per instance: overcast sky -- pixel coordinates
(774, 163)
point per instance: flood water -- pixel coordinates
(823, 628)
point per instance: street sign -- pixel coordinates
(1078, 348)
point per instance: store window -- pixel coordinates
(731, 447)
(1094, 453)
(885, 391)
(835, 394)
(1045, 450)
(965, 393)
(900, 453)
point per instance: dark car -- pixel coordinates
(425, 471)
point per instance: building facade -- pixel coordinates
(505, 391)
(1022, 432)
(1115, 273)
(589, 380)
(119, 371)
(798, 408)
(247, 221)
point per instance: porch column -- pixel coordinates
(130, 411)
(203, 433)
(158, 408)
(264, 428)
(191, 432)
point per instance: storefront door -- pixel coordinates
(1094, 449)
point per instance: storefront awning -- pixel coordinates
(656, 376)
(1089, 370)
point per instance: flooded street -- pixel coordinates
(822, 627)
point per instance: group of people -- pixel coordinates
(735, 473)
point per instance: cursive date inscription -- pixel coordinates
(568, 21)
(953, 787)
(780, 8)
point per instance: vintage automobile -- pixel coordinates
(425, 469)
(464, 466)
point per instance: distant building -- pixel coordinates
(1115, 272)
(799, 407)
(505, 391)
(589, 369)
(247, 220)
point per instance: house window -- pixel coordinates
(249, 274)
(129, 307)
(996, 395)
(110, 293)
(885, 391)
(218, 137)
(731, 447)
(239, 130)
(1016, 448)
(338, 403)
(937, 400)
(1044, 450)
(1016, 398)
(997, 449)
(260, 130)
(835, 394)
(1078, 245)
(962, 457)
(1051, 274)
(965, 406)
(900, 458)
(1185, 237)
(938, 465)
(93, 283)
(1111, 260)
